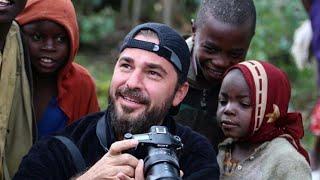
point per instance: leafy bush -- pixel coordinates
(96, 26)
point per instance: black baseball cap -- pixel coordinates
(171, 46)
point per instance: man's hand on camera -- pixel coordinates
(115, 165)
(138, 173)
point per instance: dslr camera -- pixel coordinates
(160, 151)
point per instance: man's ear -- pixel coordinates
(180, 94)
(193, 26)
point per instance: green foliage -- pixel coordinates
(95, 2)
(101, 70)
(276, 22)
(96, 26)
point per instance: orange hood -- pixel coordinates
(59, 11)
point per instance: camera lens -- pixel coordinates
(161, 164)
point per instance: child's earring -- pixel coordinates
(192, 25)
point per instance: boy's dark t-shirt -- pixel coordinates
(198, 111)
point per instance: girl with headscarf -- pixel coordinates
(263, 138)
(63, 90)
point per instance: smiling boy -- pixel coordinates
(15, 97)
(221, 37)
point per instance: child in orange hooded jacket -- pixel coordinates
(63, 90)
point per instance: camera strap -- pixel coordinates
(101, 132)
(75, 153)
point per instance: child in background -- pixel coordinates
(263, 138)
(221, 36)
(313, 9)
(15, 93)
(63, 90)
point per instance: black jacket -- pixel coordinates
(50, 159)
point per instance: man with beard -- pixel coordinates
(148, 84)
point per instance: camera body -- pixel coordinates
(160, 151)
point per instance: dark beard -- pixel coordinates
(140, 124)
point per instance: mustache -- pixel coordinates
(134, 94)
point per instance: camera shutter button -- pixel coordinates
(128, 136)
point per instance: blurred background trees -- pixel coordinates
(104, 23)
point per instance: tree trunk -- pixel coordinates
(123, 20)
(136, 13)
(124, 10)
(167, 11)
